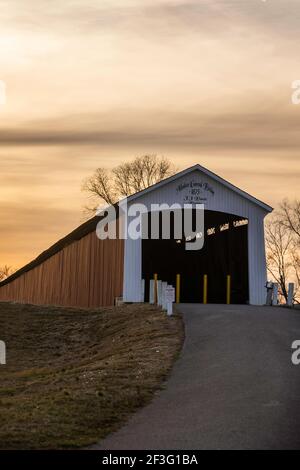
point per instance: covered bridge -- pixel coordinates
(81, 270)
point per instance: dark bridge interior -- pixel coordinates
(225, 251)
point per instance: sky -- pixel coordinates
(92, 83)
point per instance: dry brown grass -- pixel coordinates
(72, 376)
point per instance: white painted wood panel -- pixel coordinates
(224, 199)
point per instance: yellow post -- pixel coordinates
(205, 289)
(177, 288)
(228, 289)
(155, 288)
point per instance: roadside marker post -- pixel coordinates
(205, 289)
(170, 298)
(269, 287)
(228, 289)
(159, 293)
(151, 292)
(163, 295)
(290, 298)
(155, 288)
(275, 294)
(177, 288)
(2, 353)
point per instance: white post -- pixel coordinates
(143, 290)
(269, 287)
(170, 309)
(159, 293)
(164, 302)
(275, 294)
(2, 353)
(290, 298)
(151, 292)
(170, 298)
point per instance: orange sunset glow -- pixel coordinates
(92, 83)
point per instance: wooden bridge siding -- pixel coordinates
(86, 273)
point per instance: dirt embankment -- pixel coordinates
(72, 376)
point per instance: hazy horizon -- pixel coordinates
(93, 83)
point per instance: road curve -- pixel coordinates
(233, 387)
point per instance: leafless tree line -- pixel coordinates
(5, 272)
(283, 247)
(108, 187)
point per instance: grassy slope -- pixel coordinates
(72, 376)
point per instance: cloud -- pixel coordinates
(250, 127)
(169, 17)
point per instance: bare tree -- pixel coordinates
(290, 218)
(278, 243)
(126, 179)
(100, 188)
(283, 247)
(296, 265)
(5, 272)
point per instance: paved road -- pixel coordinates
(234, 386)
